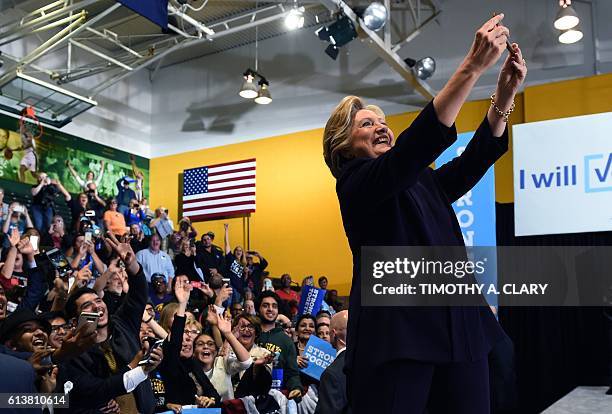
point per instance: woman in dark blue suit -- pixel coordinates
(412, 359)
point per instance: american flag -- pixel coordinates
(219, 190)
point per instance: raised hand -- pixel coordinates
(76, 342)
(36, 361)
(207, 290)
(25, 247)
(182, 290)
(83, 276)
(125, 253)
(512, 73)
(156, 358)
(211, 317)
(224, 325)
(489, 44)
(14, 237)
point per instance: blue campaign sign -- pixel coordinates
(196, 411)
(319, 354)
(154, 10)
(311, 300)
(475, 212)
(476, 209)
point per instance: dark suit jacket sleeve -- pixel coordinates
(90, 390)
(290, 366)
(332, 391)
(35, 290)
(462, 173)
(172, 348)
(398, 169)
(131, 310)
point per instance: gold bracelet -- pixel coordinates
(504, 115)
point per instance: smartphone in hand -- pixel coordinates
(154, 343)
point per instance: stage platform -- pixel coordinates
(583, 400)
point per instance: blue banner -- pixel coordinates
(475, 211)
(154, 10)
(196, 411)
(319, 354)
(311, 300)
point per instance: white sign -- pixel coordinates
(563, 175)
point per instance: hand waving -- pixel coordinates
(125, 253)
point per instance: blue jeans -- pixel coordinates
(42, 217)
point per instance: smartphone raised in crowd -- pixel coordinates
(59, 261)
(154, 343)
(34, 242)
(88, 317)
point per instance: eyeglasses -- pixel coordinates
(246, 327)
(65, 327)
(194, 332)
(208, 344)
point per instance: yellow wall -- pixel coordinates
(297, 225)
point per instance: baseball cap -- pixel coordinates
(20, 316)
(157, 277)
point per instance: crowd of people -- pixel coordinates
(126, 312)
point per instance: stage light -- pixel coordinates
(263, 96)
(248, 89)
(570, 36)
(566, 17)
(338, 34)
(295, 18)
(332, 51)
(423, 68)
(374, 16)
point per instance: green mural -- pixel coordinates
(64, 156)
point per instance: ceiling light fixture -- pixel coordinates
(570, 36)
(295, 18)
(423, 68)
(567, 18)
(263, 96)
(249, 90)
(374, 16)
(338, 34)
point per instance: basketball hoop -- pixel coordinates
(29, 124)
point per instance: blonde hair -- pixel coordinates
(167, 313)
(192, 322)
(337, 134)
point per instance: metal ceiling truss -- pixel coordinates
(422, 13)
(72, 24)
(119, 60)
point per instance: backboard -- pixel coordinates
(54, 106)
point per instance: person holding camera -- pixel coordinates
(95, 202)
(111, 369)
(134, 214)
(17, 218)
(43, 200)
